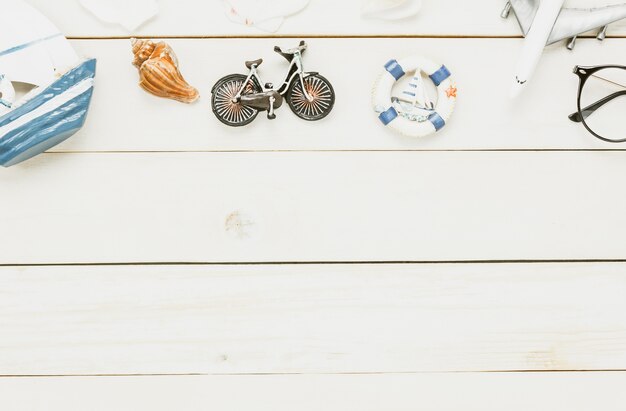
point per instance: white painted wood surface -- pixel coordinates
(154, 181)
(312, 319)
(278, 207)
(435, 392)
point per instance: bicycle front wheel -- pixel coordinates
(322, 98)
(228, 112)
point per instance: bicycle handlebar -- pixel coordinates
(301, 47)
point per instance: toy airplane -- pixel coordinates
(544, 22)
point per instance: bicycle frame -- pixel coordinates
(295, 69)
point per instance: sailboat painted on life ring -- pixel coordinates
(33, 51)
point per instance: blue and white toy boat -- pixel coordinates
(34, 52)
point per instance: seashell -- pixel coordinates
(129, 14)
(390, 9)
(159, 73)
(266, 15)
(142, 50)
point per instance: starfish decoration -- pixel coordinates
(451, 92)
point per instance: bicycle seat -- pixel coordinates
(255, 63)
(288, 54)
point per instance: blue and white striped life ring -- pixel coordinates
(415, 126)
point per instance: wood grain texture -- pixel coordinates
(282, 207)
(435, 392)
(154, 181)
(125, 118)
(311, 319)
(322, 17)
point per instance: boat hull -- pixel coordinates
(49, 118)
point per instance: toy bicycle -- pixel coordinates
(237, 99)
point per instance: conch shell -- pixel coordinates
(158, 71)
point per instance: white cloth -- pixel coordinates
(390, 9)
(266, 15)
(130, 14)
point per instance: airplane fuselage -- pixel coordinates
(535, 42)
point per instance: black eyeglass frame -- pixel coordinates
(583, 73)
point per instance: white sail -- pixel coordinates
(414, 102)
(32, 49)
(414, 92)
(414, 95)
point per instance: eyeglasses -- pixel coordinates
(602, 101)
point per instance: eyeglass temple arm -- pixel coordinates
(590, 109)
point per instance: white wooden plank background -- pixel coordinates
(277, 207)
(436, 392)
(154, 181)
(312, 319)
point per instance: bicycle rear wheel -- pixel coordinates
(228, 112)
(322, 93)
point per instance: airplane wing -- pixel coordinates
(525, 11)
(572, 22)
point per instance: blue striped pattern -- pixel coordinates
(440, 75)
(388, 116)
(29, 44)
(53, 127)
(43, 133)
(75, 76)
(394, 69)
(437, 121)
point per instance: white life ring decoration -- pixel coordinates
(423, 120)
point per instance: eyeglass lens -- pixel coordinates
(603, 103)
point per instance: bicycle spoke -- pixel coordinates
(225, 108)
(321, 97)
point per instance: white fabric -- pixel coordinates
(39, 51)
(390, 9)
(590, 3)
(266, 15)
(130, 14)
